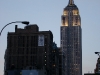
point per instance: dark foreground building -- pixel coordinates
(71, 40)
(30, 48)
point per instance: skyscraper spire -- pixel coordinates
(71, 2)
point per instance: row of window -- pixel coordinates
(24, 43)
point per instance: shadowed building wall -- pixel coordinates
(29, 48)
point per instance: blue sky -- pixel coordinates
(47, 15)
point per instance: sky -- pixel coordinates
(47, 15)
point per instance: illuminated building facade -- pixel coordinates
(71, 40)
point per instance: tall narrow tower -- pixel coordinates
(71, 39)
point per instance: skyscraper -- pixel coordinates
(71, 40)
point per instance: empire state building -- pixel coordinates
(71, 40)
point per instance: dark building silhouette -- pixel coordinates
(61, 61)
(97, 69)
(71, 40)
(55, 60)
(30, 48)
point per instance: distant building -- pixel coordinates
(71, 40)
(55, 60)
(29, 48)
(61, 61)
(97, 70)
